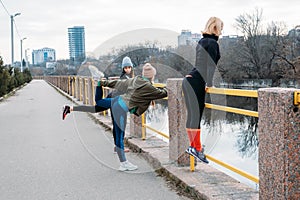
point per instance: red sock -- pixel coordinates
(191, 138)
(196, 137)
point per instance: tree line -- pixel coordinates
(11, 78)
(263, 51)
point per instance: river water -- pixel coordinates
(230, 138)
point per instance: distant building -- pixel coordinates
(76, 44)
(294, 36)
(295, 33)
(50, 65)
(230, 40)
(188, 38)
(43, 55)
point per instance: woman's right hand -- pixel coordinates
(206, 88)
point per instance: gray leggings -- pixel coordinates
(194, 95)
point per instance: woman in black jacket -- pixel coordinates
(194, 85)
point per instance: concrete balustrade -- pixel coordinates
(77, 88)
(85, 91)
(91, 92)
(136, 126)
(177, 119)
(279, 144)
(279, 134)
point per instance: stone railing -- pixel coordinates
(279, 132)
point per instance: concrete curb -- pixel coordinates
(204, 183)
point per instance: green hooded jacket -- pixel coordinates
(138, 92)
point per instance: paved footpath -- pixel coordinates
(44, 157)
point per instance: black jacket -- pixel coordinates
(207, 57)
(125, 76)
(115, 93)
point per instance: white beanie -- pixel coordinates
(126, 62)
(148, 71)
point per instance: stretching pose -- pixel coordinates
(138, 92)
(194, 85)
(127, 72)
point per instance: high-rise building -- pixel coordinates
(76, 44)
(43, 55)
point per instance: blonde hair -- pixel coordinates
(213, 26)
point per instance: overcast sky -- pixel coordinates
(45, 23)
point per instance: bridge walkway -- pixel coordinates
(44, 157)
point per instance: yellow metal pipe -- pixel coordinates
(192, 163)
(156, 131)
(297, 98)
(143, 127)
(233, 92)
(159, 85)
(232, 110)
(240, 172)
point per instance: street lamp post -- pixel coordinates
(12, 36)
(22, 53)
(26, 57)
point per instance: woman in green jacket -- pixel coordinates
(137, 96)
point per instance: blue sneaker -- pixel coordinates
(189, 150)
(199, 155)
(192, 151)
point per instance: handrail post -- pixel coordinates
(91, 95)
(86, 97)
(93, 92)
(279, 139)
(80, 88)
(77, 87)
(143, 127)
(136, 126)
(70, 83)
(104, 95)
(178, 142)
(74, 86)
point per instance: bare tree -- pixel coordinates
(264, 54)
(60, 69)
(232, 60)
(251, 26)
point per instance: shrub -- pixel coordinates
(11, 78)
